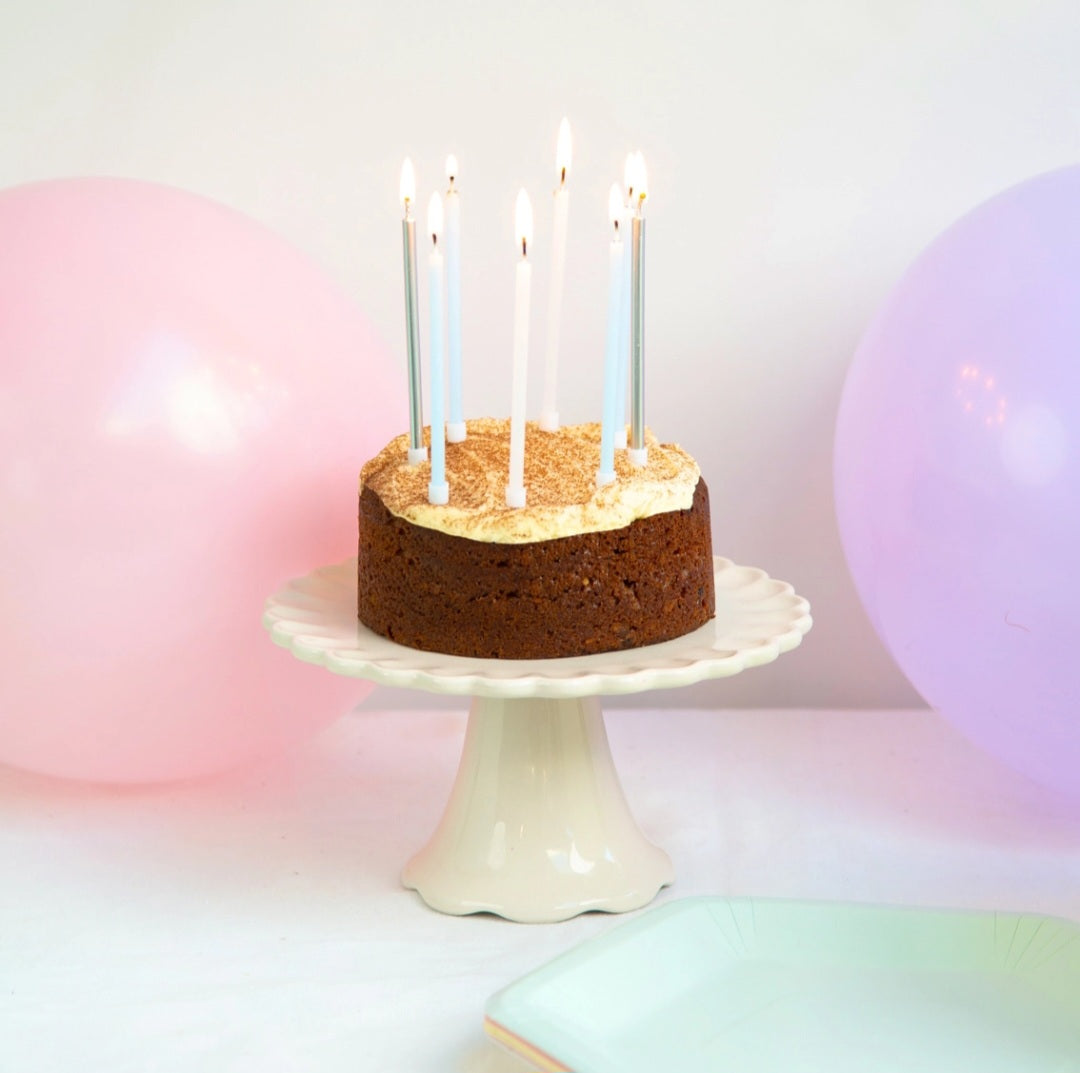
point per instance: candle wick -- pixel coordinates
(524, 251)
(562, 177)
(434, 239)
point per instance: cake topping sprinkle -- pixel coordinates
(560, 473)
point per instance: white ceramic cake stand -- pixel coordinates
(537, 827)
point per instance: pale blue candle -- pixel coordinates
(455, 429)
(438, 489)
(516, 494)
(606, 473)
(623, 378)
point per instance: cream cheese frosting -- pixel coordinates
(560, 478)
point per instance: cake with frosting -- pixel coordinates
(578, 570)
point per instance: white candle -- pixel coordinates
(455, 429)
(438, 489)
(623, 380)
(606, 473)
(515, 488)
(417, 450)
(638, 452)
(549, 414)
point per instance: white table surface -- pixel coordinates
(255, 922)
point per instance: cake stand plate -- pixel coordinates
(537, 827)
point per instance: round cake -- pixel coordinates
(578, 570)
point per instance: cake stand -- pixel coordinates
(537, 827)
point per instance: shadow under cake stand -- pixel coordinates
(537, 827)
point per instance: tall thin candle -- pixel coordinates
(606, 473)
(515, 488)
(417, 450)
(438, 489)
(623, 380)
(455, 428)
(549, 414)
(638, 452)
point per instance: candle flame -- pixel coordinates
(451, 168)
(638, 186)
(615, 205)
(562, 151)
(408, 185)
(523, 221)
(435, 218)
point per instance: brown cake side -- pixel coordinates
(647, 582)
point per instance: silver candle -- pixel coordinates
(638, 453)
(417, 450)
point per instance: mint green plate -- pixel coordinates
(759, 986)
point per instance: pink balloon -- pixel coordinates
(957, 471)
(185, 404)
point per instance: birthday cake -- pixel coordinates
(578, 570)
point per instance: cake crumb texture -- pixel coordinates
(598, 591)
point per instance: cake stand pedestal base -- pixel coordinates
(537, 828)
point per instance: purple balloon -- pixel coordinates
(957, 469)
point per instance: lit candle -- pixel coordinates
(638, 452)
(417, 451)
(455, 428)
(623, 380)
(438, 489)
(549, 414)
(606, 473)
(523, 225)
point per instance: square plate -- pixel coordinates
(762, 986)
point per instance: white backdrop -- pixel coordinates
(799, 157)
